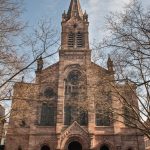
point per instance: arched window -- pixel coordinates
(47, 115)
(73, 83)
(74, 77)
(80, 40)
(49, 93)
(45, 147)
(104, 147)
(129, 115)
(75, 86)
(71, 40)
(102, 116)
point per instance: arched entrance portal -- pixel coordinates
(45, 147)
(104, 147)
(75, 146)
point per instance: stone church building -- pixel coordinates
(64, 109)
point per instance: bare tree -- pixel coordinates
(13, 61)
(39, 43)
(10, 22)
(129, 39)
(10, 61)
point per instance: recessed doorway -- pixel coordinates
(45, 147)
(104, 147)
(75, 146)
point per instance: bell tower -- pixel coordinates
(75, 24)
(74, 58)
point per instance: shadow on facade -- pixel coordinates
(2, 147)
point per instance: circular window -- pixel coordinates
(49, 92)
(74, 77)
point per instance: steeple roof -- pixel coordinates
(75, 9)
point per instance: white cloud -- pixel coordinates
(97, 10)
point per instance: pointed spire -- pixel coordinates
(85, 16)
(39, 64)
(110, 64)
(75, 9)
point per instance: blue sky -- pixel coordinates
(97, 10)
(53, 9)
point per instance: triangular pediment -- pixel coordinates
(75, 129)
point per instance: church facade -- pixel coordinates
(63, 109)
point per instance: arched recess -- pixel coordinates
(45, 147)
(83, 142)
(104, 147)
(75, 96)
(74, 145)
(130, 148)
(19, 148)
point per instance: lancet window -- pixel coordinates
(103, 116)
(47, 115)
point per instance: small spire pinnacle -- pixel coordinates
(40, 64)
(75, 9)
(22, 79)
(110, 64)
(85, 16)
(85, 12)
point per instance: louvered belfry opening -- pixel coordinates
(75, 40)
(79, 39)
(71, 40)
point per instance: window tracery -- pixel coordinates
(49, 93)
(75, 91)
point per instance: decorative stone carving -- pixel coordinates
(75, 130)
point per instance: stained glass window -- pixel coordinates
(75, 86)
(47, 115)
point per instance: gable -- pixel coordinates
(74, 129)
